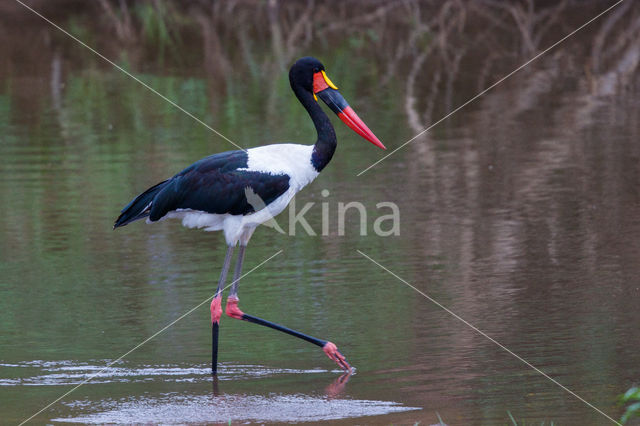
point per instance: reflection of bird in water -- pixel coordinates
(212, 192)
(333, 390)
(337, 386)
(216, 387)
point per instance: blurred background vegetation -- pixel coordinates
(456, 43)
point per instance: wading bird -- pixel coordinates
(214, 193)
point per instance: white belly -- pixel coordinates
(237, 228)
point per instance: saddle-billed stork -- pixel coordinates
(215, 193)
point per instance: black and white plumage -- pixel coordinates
(212, 193)
(236, 191)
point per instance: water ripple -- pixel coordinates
(60, 373)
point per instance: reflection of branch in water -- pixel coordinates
(57, 84)
(295, 42)
(485, 72)
(453, 69)
(413, 115)
(532, 23)
(602, 82)
(359, 20)
(56, 80)
(448, 23)
(606, 28)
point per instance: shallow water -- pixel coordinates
(520, 214)
(196, 398)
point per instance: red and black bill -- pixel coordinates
(334, 100)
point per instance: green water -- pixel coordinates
(520, 214)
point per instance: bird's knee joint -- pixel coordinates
(216, 309)
(232, 309)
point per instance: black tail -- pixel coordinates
(140, 206)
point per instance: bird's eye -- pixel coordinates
(316, 69)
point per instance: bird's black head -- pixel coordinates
(308, 78)
(301, 73)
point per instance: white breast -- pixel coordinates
(291, 159)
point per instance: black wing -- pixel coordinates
(215, 185)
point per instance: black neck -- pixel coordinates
(325, 146)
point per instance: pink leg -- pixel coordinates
(216, 309)
(232, 309)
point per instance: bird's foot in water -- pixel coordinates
(334, 354)
(232, 309)
(216, 309)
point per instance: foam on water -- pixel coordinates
(180, 409)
